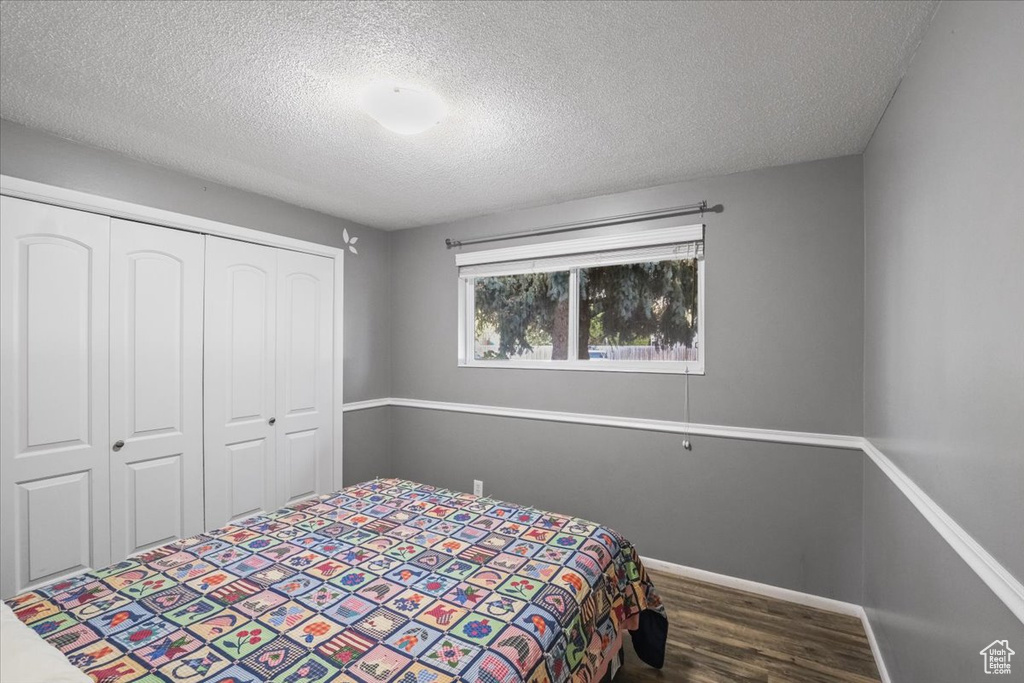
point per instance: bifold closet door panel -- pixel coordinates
(305, 349)
(156, 386)
(240, 335)
(54, 447)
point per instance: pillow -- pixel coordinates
(27, 658)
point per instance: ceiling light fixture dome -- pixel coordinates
(403, 109)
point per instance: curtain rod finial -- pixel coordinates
(451, 244)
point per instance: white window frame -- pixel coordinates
(646, 238)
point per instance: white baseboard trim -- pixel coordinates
(777, 593)
(876, 650)
(767, 590)
(995, 576)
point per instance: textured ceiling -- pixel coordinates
(548, 101)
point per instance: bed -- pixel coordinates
(386, 581)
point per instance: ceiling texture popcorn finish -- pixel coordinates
(546, 102)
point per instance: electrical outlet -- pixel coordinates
(478, 487)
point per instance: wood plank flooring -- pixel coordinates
(719, 634)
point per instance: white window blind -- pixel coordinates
(481, 340)
(662, 244)
(665, 252)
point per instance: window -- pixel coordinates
(632, 302)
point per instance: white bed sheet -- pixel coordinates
(26, 658)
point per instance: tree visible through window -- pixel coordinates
(625, 302)
(632, 312)
(646, 309)
(517, 314)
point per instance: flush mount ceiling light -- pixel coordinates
(403, 109)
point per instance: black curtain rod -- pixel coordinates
(689, 209)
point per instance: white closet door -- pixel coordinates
(239, 400)
(54, 447)
(305, 336)
(156, 386)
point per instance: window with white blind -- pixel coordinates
(630, 302)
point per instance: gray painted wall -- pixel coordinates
(944, 339)
(930, 612)
(784, 350)
(844, 296)
(34, 155)
(784, 515)
(367, 445)
(944, 342)
(785, 278)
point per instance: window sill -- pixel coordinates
(649, 367)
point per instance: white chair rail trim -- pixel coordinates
(643, 424)
(355, 406)
(1003, 584)
(995, 576)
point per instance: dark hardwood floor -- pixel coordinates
(720, 634)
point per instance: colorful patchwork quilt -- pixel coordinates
(387, 581)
